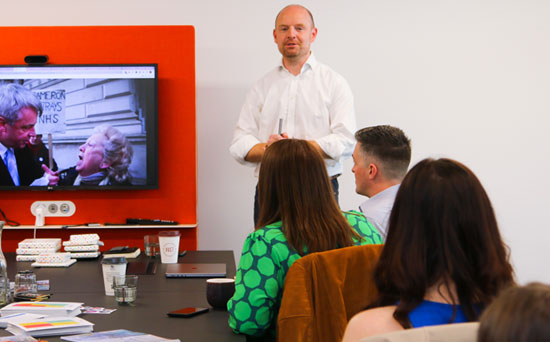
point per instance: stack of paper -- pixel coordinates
(29, 249)
(83, 246)
(51, 326)
(42, 308)
(53, 260)
(18, 338)
(17, 317)
(120, 335)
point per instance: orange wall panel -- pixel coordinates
(173, 49)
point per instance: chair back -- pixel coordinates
(455, 332)
(324, 290)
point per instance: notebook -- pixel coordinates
(142, 267)
(195, 270)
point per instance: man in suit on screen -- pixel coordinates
(19, 111)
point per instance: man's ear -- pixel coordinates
(373, 171)
(313, 34)
(3, 124)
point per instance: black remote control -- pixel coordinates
(151, 222)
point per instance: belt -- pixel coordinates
(335, 176)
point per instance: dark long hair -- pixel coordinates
(294, 188)
(442, 230)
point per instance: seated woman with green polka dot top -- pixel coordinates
(298, 215)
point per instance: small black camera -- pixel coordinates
(36, 59)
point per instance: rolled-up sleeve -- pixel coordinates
(339, 144)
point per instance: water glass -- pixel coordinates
(125, 288)
(25, 282)
(151, 243)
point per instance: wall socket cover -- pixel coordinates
(54, 208)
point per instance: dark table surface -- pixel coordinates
(156, 295)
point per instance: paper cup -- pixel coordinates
(112, 267)
(169, 242)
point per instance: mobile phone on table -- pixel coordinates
(187, 312)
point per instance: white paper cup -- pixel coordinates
(112, 267)
(169, 242)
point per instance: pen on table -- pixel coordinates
(182, 253)
(280, 126)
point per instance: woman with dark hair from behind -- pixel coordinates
(518, 314)
(443, 261)
(298, 215)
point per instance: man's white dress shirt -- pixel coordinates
(377, 209)
(317, 104)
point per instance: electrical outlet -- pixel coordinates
(54, 208)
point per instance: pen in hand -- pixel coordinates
(281, 127)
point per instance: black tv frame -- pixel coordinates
(151, 129)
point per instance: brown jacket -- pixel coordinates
(324, 290)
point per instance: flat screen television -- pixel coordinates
(78, 103)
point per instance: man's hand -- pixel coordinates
(275, 137)
(257, 151)
(52, 176)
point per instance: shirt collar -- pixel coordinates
(310, 63)
(3, 150)
(391, 191)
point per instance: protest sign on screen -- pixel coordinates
(52, 119)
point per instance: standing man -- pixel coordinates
(300, 98)
(380, 161)
(19, 110)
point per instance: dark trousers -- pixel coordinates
(335, 189)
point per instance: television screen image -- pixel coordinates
(100, 122)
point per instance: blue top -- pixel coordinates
(433, 313)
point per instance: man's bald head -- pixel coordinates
(297, 6)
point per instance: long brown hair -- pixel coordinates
(442, 229)
(294, 188)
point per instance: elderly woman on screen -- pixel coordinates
(103, 159)
(443, 261)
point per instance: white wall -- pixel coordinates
(467, 79)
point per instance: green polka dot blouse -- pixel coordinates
(265, 260)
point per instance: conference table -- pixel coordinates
(156, 295)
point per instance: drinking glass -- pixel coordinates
(25, 282)
(151, 243)
(125, 288)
